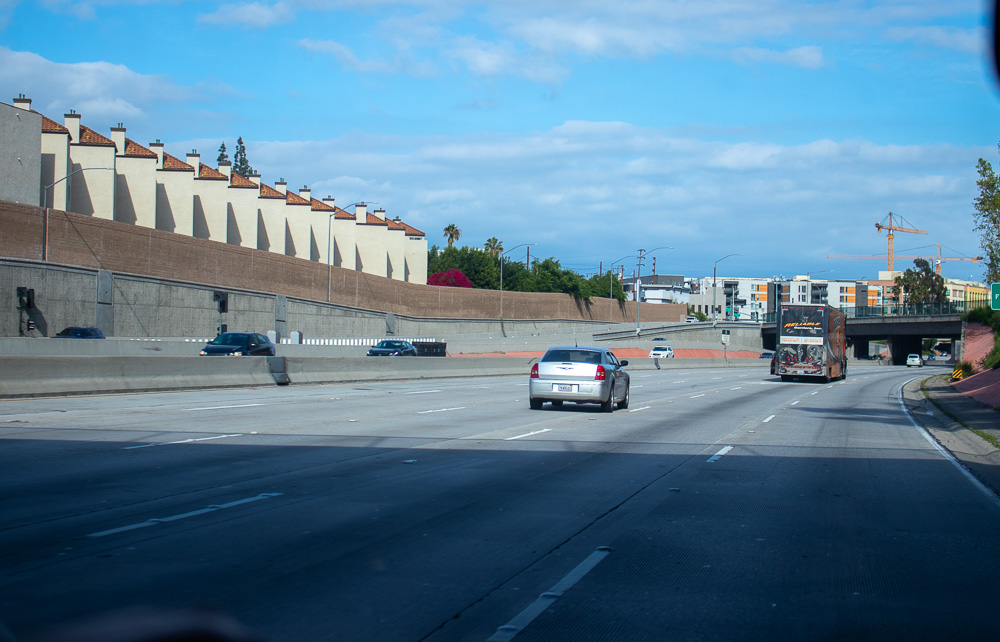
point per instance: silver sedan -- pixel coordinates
(579, 374)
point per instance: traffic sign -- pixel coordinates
(995, 296)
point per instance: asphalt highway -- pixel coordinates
(723, 504)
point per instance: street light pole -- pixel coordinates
(714, 290)
(638, 281)
(45, 206)
(501, 279)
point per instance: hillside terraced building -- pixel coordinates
(71, 167)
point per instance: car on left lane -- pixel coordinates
(239, 344)
(579, 374)
(392, 348)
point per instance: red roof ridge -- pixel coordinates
(294, 199)
(395, 225)
(238, 180)
(51, 126)
(320, 206)
(204, 171)
(172, 162)
(266, 191)
(374, 220)
(344, 215)
(136, 150)
(89, 137)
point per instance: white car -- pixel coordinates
(691, 320)
(914, 360)
(661, 352)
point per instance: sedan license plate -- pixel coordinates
(565, 387)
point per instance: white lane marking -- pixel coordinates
(678, 382)
(770, 417)
(425, 412)
(714, 378)
(736, 388)
(183, 441)
(814, 393)
(528, 434)
(507, 632)
(696, 396)
(717, 456)
(944, 451)
(638, 409)
(796, 402)
(202, 511)
(242, 405)
(421, 392)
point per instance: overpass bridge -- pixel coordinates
(902, 327)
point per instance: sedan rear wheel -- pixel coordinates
(609, 404)
(535, 404)
(623, 404)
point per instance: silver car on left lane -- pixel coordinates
(580, 374)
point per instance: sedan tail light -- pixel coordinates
(534, 371)
(600, 373)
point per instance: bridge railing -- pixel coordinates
(900, 310)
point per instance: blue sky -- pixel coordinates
(781, 130)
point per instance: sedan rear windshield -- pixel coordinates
(571, 355)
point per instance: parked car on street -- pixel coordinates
(661, 352)
(392, 348)
(579, 374)
(80, 333)
(914, 360)
(239, 344)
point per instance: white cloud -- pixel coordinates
(402, 61)
(809, 57)
(257, 15)
(973, 41)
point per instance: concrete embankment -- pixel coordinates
(60, 375)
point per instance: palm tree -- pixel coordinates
(452, 233)
(494, 246)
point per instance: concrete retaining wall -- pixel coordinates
(55, 376)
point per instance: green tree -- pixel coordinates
(987, 218)
(223, 156)
(920, 285)
(241, 165)
(452, 233)
(494, 246)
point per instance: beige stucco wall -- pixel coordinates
(92, 190)
(211, 207)
(135, 191)
(55, 165)
(416, 259)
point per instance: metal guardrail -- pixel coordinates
(901, 310)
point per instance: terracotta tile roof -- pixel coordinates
(89, 137)
(235, 180)
(266, 191)
(136, 150)
(320, 206)
(395, 225)
(51, 126)
(174, 163)
(204, 171)
(344, 215)
(294, 199)
(374, 220)
(412, 231)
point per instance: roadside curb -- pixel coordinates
(950, 419)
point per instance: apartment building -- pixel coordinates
(71, 167)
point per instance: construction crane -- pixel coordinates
(890, 228)
(937, 259)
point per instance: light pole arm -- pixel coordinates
(45, 201)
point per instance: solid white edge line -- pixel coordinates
(507, 632)
(770, 417)
(528, 434)
(182, 441)
(425, 412)
(200, 511)
(944, 451)
(638, 409)
(717, 456)
(242, 405)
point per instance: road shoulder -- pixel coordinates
(948, 417)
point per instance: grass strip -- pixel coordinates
(984, 435)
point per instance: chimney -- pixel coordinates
(255, 178)
(226, 168)
(281, 186)
(329, 200)
(157, 148)
(305, 192)
(22, 102)
(361, 211)
(72, 123)
(379, 213)
(194, 160)
(118, 138)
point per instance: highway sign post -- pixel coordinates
(995, 296)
